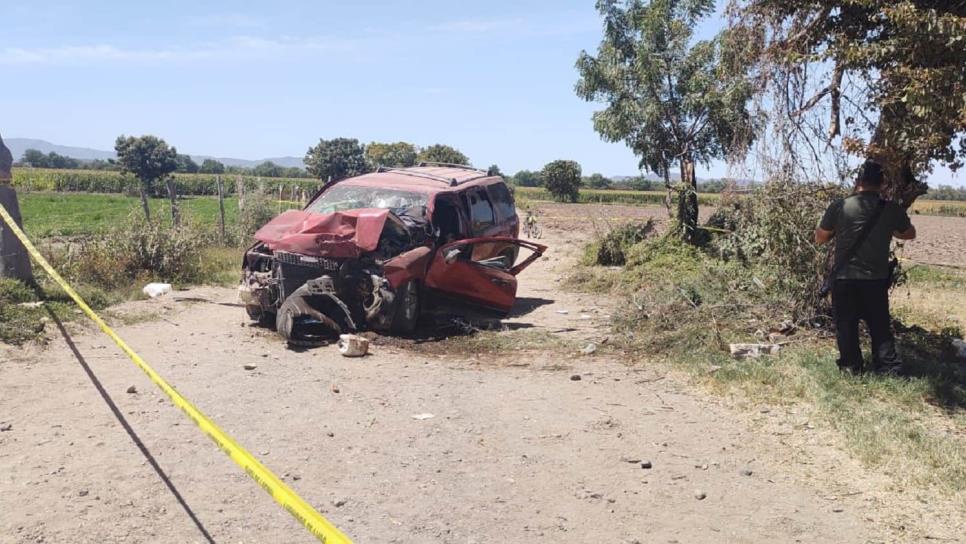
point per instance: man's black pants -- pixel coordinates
(867, 300)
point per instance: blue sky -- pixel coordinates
(262, 79)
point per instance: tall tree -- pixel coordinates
(211, 166)
(336, 159)
(35, 158)
(150, 159)
(889, 74)
(397, 155)
(673, 101)
(562, 180)
(526, 178)
(596, 181)
(444, 154)
(268, 169)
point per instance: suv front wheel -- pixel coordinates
(407, 308)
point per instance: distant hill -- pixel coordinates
(19, 145)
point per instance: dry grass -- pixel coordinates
(935, 296)
(912, 428)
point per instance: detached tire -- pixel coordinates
(407, 309)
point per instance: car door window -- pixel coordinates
(502, 200)
(481, 212)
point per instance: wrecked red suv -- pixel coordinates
(377, 251)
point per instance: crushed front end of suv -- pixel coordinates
(377, 251)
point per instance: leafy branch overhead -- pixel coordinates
(890, 74)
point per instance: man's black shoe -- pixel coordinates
(850, 370)
(889, 370)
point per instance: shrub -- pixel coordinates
(257, 209)
(773, 228)
(611, 249)
(139, 249)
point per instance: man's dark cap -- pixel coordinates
(870, 174)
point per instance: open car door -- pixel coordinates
(482, 271)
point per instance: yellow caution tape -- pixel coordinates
(320, 527)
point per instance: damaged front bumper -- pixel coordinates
(313, 298)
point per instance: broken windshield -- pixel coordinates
(348, 197)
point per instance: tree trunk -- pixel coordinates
(668, 197)
(173, 195)
(688, 202)
(144, 200)
(240, 191)
(14, 260)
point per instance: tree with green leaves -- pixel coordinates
(596, 181)
(339, 158)
(151, 160)
(395, 155)
(562, 180)
(673, 101)
(211, 166)
(444, 154)
(187, 165)
(268, 169)
(884, 76)
(35, 158)
(526, 178)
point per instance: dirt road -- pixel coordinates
(530, 447)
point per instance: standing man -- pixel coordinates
(863, 226)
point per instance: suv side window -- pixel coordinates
(502, 200)
(481, 212)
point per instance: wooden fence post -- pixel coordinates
(240, 191)
(14, 260)
(173, 195)
(221, 208)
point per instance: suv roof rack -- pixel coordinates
(449, 165)
(452, 182)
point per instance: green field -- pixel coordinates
(72, 214)
(107, 181)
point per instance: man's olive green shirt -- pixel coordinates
(846, 218)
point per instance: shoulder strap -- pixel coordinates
(860, 239)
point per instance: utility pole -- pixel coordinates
(14, 261)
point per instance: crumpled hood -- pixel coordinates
(345, 234)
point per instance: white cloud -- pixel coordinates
(236, 48)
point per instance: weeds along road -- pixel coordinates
(518, 449)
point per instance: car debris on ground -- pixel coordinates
(353, 345)
(745, 351)
(155, 290)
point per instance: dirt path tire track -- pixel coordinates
(517, 453)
